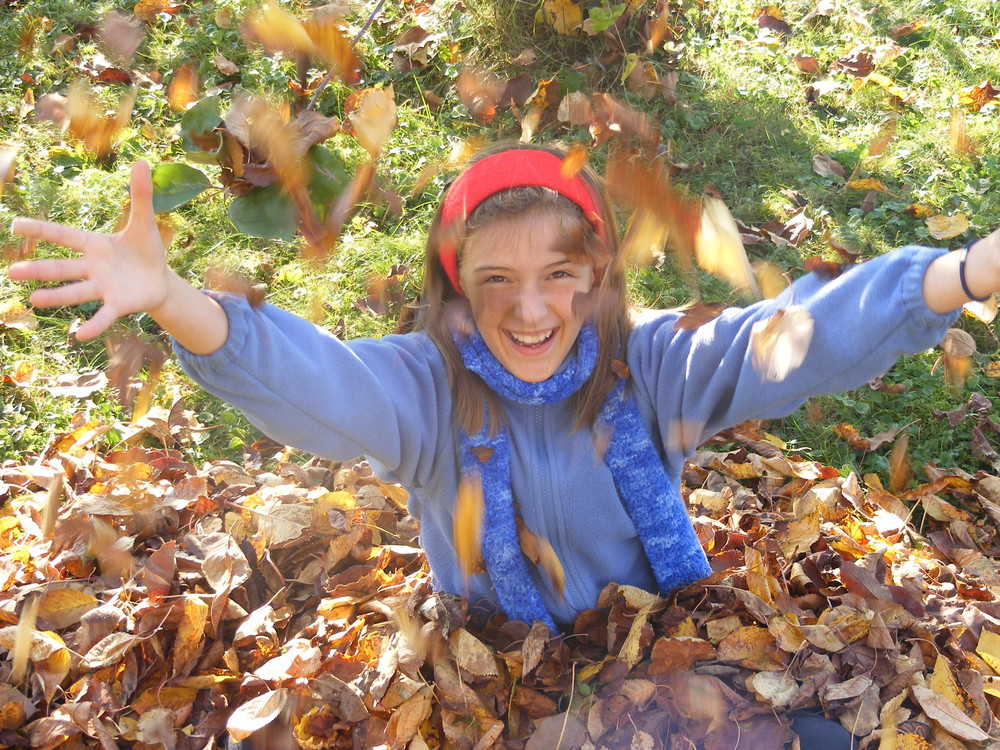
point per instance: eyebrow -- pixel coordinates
(555, 264)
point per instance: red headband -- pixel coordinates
(505, 170)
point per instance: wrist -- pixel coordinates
(979, 269)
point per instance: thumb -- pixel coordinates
(141, 191)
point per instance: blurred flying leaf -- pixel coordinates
(121, 35)
(8, 165)
(779, 344)
(372, 117)
(467, 525)
(719, 248)
(182, 91)
(480, 92)
(87, 122)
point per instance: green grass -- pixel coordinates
(741, 122)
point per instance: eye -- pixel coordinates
(562, 274)
(495, 279)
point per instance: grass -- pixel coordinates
(741, 121)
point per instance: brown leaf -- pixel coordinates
(977, 97)
(947, 715)
(698, 315)
(480, 92)
(121, 35)
(827, 166)
(856, 441)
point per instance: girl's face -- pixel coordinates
(527, 295)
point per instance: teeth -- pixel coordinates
(528, 340)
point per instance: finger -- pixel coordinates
(64, 296)
(141, 190)
(49, 231)
(61, 269)
(97, 325)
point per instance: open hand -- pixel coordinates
(126, 271)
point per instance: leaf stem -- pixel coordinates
(354, 43)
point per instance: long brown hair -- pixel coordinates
(442, 309)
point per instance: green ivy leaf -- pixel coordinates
(265, 212)
(175, 184)
(329, 176)
(198, 123)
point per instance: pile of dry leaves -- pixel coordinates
(152, 603)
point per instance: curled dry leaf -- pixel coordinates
(827, 166)
(372, 117)
(779, 344)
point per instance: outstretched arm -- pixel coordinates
(942, 282)
(126, 271)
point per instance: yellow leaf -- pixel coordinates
(751, 647)
(989, 649)
(467, 524)
(574, 161)
(190, 632)
(65, 606)
(562, 15)
(278, 30)
(173, 698)
(993, 369)
(943, 682)
(868, 184)
(945, 227)
(15, 315)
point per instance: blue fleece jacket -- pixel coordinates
(389, 400)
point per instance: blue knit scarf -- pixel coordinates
(650, 496)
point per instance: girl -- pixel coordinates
(527, 374)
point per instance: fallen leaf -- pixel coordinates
(564, 16)
(946, 227)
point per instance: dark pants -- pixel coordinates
(816, 732)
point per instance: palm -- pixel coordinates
(126, 271)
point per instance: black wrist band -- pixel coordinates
(961, 274)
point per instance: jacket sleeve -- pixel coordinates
(302, 386)
(691, 384)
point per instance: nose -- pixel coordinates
(531, 304)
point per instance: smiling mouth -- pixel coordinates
(531, 341)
